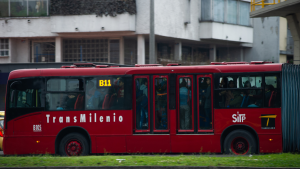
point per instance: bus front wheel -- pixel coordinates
(240, 142)
(73, 144)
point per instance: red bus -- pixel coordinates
(218, 108)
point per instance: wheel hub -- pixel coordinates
(73, 148)
(239, 146)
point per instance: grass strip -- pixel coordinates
(267, 160)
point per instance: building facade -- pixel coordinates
(117, 31)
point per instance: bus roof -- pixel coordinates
(95, 71)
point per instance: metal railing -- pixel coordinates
(263, 3)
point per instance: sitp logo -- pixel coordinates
(238, 118)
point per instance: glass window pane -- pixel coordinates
(18, 8)
(161, 107)
(249, 81)
(244, 13)
(105, 93)
(26, 93)
(238, 98)
(141, 103)
(205, 103)
(64, 85)
(232, 11)
(185, 104)
(206, 10)
(272, 91)
(218, 8)
(114, 51)
(4, 8)
(64, 101)
(37, 7)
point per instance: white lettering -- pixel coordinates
(107, 119)
(68, 119)
(238, 118)
(120, 118)
(82, 118)
(101, 119)
(54, 119)
(95, 117)
(90, 117)
(75, 119)
(47, 115)
(61, 119)
(37, 128)
(114, 117)
(234, 117)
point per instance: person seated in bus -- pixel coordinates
(228, 93)
(237, 99)
(92, 96)
(247, 84)
(110, 99)
(253, 103)
(223, 83)
(120, 93)
(184, 98)
(69, 102)
(268, 93)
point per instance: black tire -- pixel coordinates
(240, 142)
(74, 144)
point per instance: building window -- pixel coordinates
(230, 11)
(114, 49)
(43, 52)
(91, 50)
(4, 47)
(24, 8)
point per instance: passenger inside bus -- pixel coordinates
(92, 96)
(142, 103)
(185, 105)
(161, 118)
(205, 103)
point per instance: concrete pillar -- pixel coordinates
(122, 51)
(141, 59)
(178, 51)
(213, 53)
(58, 49)
(295, 31)
(282, 58)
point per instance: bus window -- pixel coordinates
(142, 99)
(241, 91)
(272, 93)
(185, 103)
(205, 113)
(64, 94)
(26, 93)
(161, 103)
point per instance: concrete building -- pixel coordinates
(117, 31)
(289, 14)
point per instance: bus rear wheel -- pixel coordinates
(240, 142)
(73, 144)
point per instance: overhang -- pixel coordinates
(281, 9)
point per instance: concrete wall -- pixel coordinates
(221, 31)
(50, 26)
(265, 40)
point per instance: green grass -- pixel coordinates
(267, 160)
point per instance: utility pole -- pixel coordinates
(152, 57)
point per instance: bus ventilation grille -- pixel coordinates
(290, 111)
